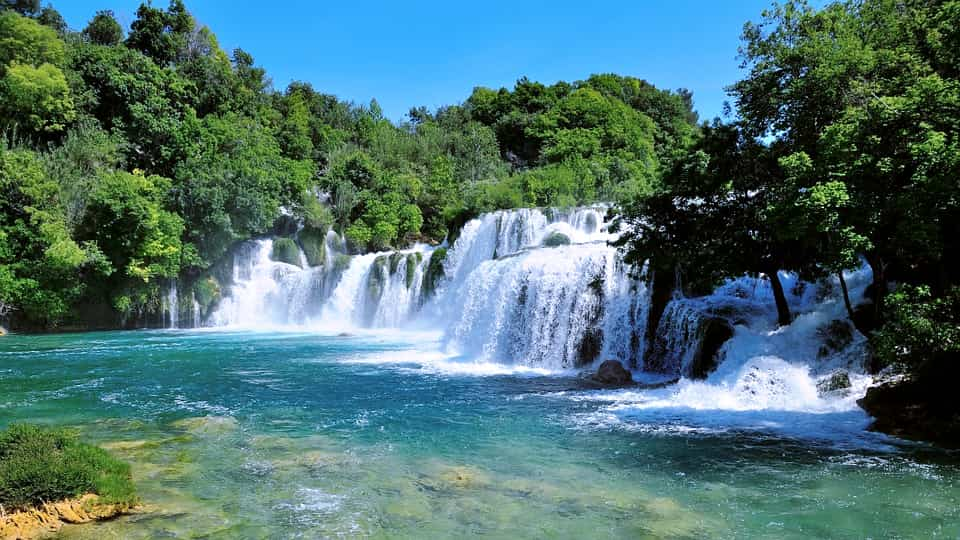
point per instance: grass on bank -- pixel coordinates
(39, 465)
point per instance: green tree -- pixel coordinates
(103, 29)
(26, 41)
(39, 261)
(36, 99)
(236, 183)
(161, 35)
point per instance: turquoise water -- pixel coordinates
(298, 435)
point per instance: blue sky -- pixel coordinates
(433, 53)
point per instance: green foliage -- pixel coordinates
(25, 41)
(36, 99)
(161, 35)
(313, 242)
(920, 327)
(38, 258)
(208, 292)
(556, 239)
(234, 186)
(285, 250)
(127, 92)
(40, 465)
(126, 217)
(103, 29)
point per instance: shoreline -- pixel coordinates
(47, 520)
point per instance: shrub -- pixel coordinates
(555, 239)
(40, 465)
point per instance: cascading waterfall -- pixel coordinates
(542, 288)
(171, 306)
(505, 296)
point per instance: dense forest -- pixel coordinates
(131, 157)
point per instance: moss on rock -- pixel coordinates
(313, 242)
(285, 250)
(556, 239)
(434, 273)
(413, 261)
(208, 292)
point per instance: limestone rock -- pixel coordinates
(612, 372)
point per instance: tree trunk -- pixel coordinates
(660, 294)
(878, 288)
(783, 309)
(846, 297)
(662, 287)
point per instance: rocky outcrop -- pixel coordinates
(715, 331)
(920, 406)
(612, 373)
(285, 250)
(46, 520)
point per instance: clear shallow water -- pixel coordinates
(287, 435)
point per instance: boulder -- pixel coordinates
(837, 383)
(612, 372)
(921, 405)
(714, 332)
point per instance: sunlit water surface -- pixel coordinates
(287, 435)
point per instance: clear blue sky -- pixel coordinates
(433, 53)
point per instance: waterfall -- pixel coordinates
(542, 288)
(197, 323)
(171, 305)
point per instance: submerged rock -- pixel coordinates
(612, 372)
(207, 425)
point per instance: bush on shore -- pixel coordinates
(39, 465)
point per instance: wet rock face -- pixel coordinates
(612, 372)
(714, 333)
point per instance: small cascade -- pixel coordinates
(197, 323)
(555, 308)
(268, 292)
(171, 306)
